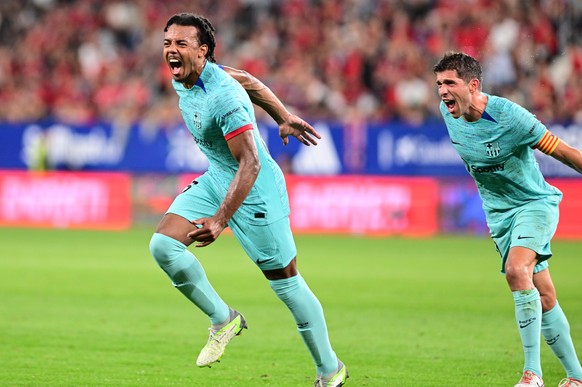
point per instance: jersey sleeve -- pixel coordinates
(231, 114)
(528, 130)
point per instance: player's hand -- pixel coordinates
(298, 128)
(208, 230)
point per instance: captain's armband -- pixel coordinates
(548, 143)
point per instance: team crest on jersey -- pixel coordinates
(492, 149)
(197, 121)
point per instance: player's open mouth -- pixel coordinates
(449, 103)
(175, 65)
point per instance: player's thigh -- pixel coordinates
(196, 201)
(532, 226)
(269, 245)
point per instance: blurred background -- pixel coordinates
(86, 98)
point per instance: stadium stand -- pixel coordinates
(82, 61)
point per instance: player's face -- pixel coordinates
(454, 92)
(183, 53)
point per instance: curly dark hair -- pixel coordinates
(204, 27)
(466, 66)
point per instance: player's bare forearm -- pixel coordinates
(262, 96)
(238, 190)
(209, 229)
(568, 155)
(289, 124)
(245, 152)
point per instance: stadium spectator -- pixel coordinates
(70, 58)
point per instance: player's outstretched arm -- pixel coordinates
(262, 96)
(568, 155)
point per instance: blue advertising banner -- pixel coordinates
(374, 149)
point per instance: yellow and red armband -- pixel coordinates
(548, 143)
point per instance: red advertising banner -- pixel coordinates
(360, 205)
(364, 205)
(570, 226)
(398, 205)
(65, 200)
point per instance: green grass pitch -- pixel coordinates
(86, 308)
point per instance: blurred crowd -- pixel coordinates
(83, 61)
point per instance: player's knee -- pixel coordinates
(513, 271)
(518, 277)
(165, 249)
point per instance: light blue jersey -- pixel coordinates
(498, 153)
(520, 206)
(216, 109)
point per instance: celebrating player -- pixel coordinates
(243, 189)
(496, 139)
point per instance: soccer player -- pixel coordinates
(243, 189)
(496, 139)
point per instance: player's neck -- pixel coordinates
(477, 107)
(193, 78)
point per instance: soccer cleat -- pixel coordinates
(219, 339)
(570, 382)
(336, 379)
(530, 379)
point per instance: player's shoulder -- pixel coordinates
(212, 77)
(221, 84)
(215, 69)
(219, 76)
(497, 104)
(504, 110)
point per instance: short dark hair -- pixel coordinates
(204, 27)
(466, 66)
